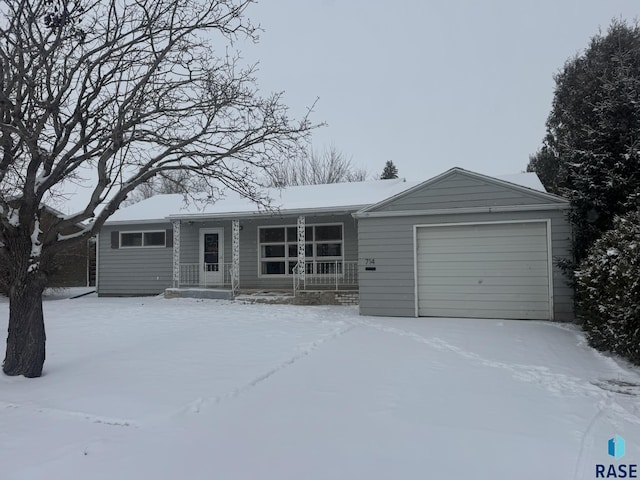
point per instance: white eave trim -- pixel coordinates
(346, 210)
(136, 222)
(449, 211)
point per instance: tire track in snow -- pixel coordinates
(59, 413)
(608, 411)
(587, 441)
(196, 405)
(555, 383)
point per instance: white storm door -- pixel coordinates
(211, 256)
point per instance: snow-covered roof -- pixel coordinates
(298, 199)
(305, 198)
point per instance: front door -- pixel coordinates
(211, 256)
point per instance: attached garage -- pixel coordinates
(484, 270)
(466, 245)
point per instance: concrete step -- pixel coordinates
(209, 293)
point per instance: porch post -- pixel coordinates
(302, 267)
(176, 253)
(235, 255)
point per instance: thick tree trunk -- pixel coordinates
(26, 339)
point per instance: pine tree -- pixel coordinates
(390, 171)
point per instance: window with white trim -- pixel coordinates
(143, 239)
(278, 249)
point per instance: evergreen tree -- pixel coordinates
(591, 153)
(390, 171)
(546, 165)
(608, 289)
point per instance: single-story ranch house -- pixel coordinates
(460, 244)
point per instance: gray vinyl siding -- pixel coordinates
(190, 240)
(389, 243)
(133, 271)
(148, 271)
(249, 261)
(461, 191)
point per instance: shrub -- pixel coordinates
(608, 289)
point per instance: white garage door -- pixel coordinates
(483, 271)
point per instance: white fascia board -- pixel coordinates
(136, 222)
(267, 213)
(449, 211)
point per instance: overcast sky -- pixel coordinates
(428, 84)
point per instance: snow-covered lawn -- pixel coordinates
(148, 388)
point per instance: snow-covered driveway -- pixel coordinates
(147, 388)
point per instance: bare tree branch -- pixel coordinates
(313, 168)
(129, 91)
(112, 93)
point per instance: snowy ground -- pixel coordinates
(147, 388)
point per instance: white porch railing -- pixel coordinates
(204, 275)
(330, 274)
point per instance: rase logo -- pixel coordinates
(616, 449)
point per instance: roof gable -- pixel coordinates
(459, 188)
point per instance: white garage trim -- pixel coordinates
(547, 222)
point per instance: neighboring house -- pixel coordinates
(460, 244)
(74, 266)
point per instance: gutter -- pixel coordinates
(267, 213)
(449, 211)
(350, 210)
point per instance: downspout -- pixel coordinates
(98, 263)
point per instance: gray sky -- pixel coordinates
(428, 84)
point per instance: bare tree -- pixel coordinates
(179, 181)
(314, 168)
(111, 93)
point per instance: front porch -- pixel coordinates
(266, 254)
(335, 275)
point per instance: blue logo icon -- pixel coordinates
(616, 446)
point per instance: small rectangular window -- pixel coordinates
(131, 239)
(270, 251)
(273, 268)
(154, 239)
(143, 239)
(293, 250)
(328, 232)
(271, 235)
(329, 249)
(292, 234)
